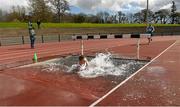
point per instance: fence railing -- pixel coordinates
(18, 40)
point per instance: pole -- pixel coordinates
(147, 19)
(82, 47)
(138, 48)
(23, 40)
(59, 37)
(42, 37)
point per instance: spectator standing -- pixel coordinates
(39, 24)
(32, 37)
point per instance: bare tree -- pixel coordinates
(120, 16)
(40, 10)
(130, 18)
(17, 13)
(59, 7)
(100, 16)
(114, 18)
(80, 18)
(1, 15)
(106, 15)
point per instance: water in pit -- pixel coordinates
(102, 65)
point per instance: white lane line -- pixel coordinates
(111, 91)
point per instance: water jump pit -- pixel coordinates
(104, 72)
(102, 65)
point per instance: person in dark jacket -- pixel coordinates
(150, 30)
(39, 24)
(32, 37)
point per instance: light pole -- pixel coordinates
(147, 19)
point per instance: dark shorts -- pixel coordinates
(150, 33)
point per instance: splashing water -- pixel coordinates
(101, 65)
(54, 67)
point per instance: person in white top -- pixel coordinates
(80, 66)
(32, 37)
(83, 63)
(150, 30)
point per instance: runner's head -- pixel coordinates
(82, 60)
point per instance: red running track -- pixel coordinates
(157, 84)
(11, 56)
(28, 86)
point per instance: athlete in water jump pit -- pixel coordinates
(80, 66)
(83, 63)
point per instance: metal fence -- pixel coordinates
(18, 40)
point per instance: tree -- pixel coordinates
(130, 17)
(162, 16)
(177, 17)
(17, 13)
(80, 18)
(121, 17)
(144, 15)
(59, 7)
(173, 12)
(100, 17)
(114, 19)
(140, 17)
(21, 12)
(103, 16)
(1, 15)
(106, 15)
(95, 19)
(40, 10)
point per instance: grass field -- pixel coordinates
(74, 25)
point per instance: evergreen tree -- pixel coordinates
(173, 12)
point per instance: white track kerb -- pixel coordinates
(115, 88)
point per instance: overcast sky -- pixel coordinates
(93, 6)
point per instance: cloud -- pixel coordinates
(7, 4)
(89, 4)
(127, 6)
(94, 6)
(166, 6)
